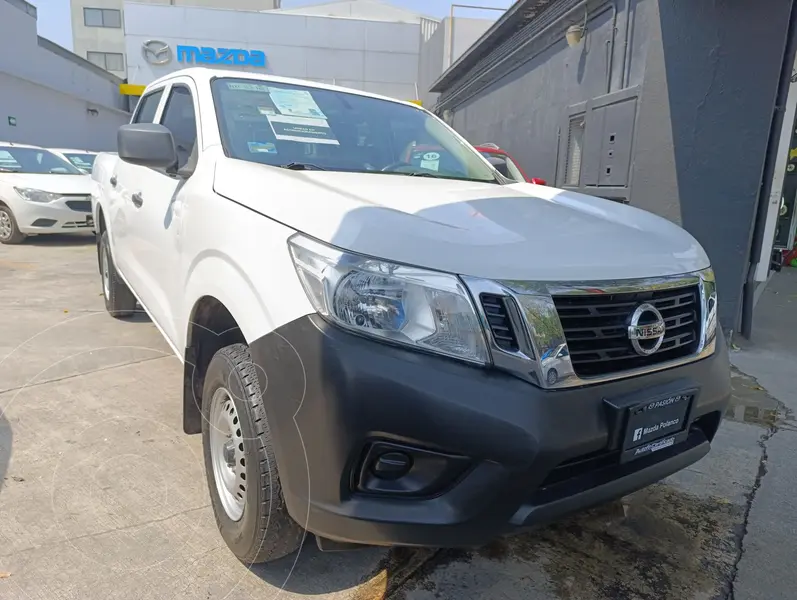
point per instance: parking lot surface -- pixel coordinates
(102, 495)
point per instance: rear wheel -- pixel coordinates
(239, 462)
(119, 300)
(9, 230)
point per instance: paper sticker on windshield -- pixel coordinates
(431, 156)
(266, 110)
(299, 129)
(296, 103)
(266, 147)
(247, 87)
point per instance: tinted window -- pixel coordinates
(14, 159)
(179, 118)
(147, 107)
(278, 124)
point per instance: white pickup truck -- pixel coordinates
(386, 353)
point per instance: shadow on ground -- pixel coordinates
(313, 572)
(57, 239)
(655, 544)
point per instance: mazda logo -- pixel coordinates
(646, 329)
(156, 52)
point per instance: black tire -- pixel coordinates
(119, 300)
(268, 532)
(552, 377)
(15, 236)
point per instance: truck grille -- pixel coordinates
(596, 328)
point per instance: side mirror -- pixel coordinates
(146, 145)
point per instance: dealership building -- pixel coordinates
(368, 45)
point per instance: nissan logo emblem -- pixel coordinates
(646, 329)
(156, 52)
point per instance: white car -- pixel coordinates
(362, 338)
(82, 159)
(41, 193)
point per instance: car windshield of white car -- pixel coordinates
(288, 125)
(15, 159)
(81, 161)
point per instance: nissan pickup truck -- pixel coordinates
(384, 353)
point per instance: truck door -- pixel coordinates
(118, 191)
(156, 218)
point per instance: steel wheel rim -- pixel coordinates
(106, 273)
(226, 454)
(6, 226)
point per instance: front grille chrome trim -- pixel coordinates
(537, 325)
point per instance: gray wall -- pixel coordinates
(711, 78)
(431, 64)
(50, 91)
(523, 110)
(708, 74)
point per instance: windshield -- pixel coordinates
(14, 159)
(514, 172)
(81, 161)
(283, 124)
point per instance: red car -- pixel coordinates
(513, 169)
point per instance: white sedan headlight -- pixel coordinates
(32, 195)
(424, 309)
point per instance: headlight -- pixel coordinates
(32, 195)
(708, 289)
(406, 305)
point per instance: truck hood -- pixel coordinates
(55, 183)
(520, 231)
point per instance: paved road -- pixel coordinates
(103, 497)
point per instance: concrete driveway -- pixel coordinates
(103, 497)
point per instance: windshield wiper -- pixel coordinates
(436, 176)
(299, 166)
(420, 174)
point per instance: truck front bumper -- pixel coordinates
(463, 454)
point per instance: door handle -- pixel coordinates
(113, 180)
(137, 199)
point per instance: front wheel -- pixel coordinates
(119, 300)
(239, 462)
(9, 230)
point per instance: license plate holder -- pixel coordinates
(656, 424)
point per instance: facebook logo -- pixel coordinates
(637, 434)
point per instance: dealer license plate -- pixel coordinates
(655, 425)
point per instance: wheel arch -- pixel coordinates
(211, 326)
